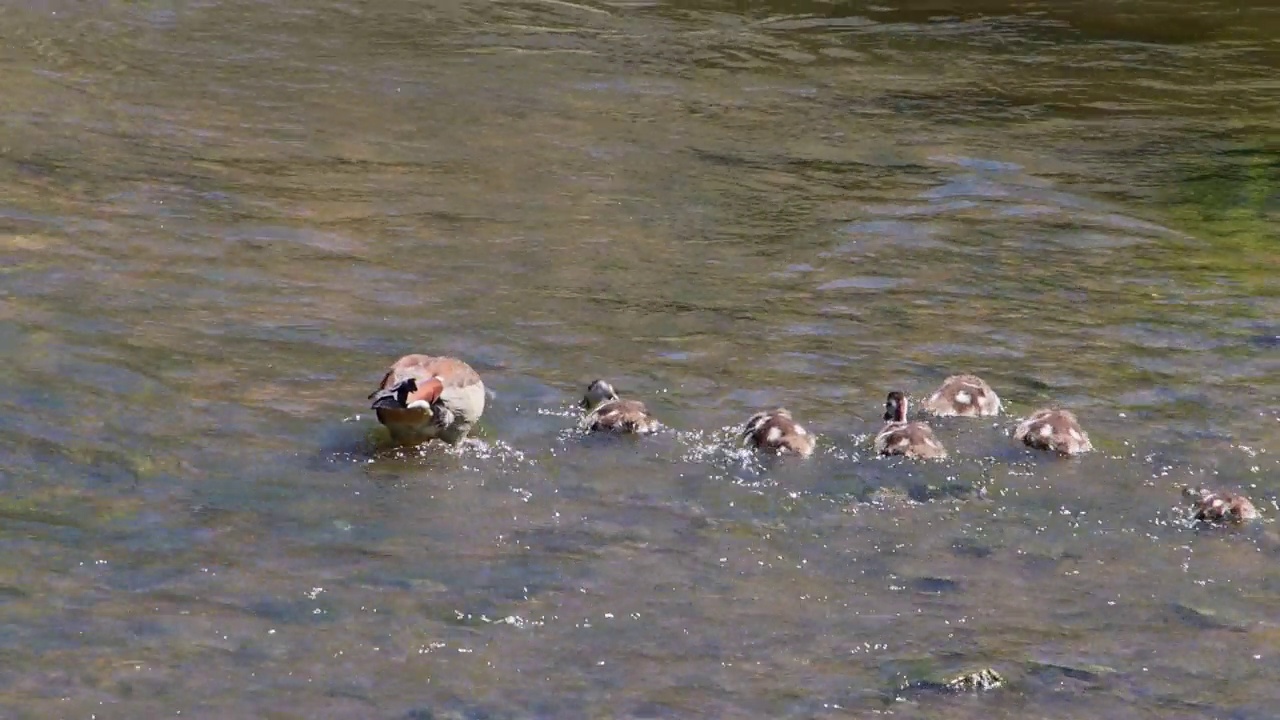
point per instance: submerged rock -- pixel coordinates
(979, 681)
(1086, 672)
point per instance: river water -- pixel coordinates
(221, 220)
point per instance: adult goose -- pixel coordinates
(427, 397)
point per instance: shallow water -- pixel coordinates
(221, 220)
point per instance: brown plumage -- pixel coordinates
(423, 397)
(1055, 430)
(899, 437)
(965, 396)
(1220, 507)
(609, 413)
(777, 432)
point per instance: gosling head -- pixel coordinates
(895, 407)
(598, 392)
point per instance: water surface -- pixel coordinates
(219, 221)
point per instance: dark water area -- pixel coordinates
(221, 221)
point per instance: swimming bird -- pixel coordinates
(963, 395)
(606, 412)
(1053, 429)
(899, 437)
(1220, 507)
(425, 397)
(777, 432)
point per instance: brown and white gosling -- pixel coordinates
(777, 432)
(964, 396)
(899, 437)
(1220, 507)
(1053, 429)
(606, 412)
